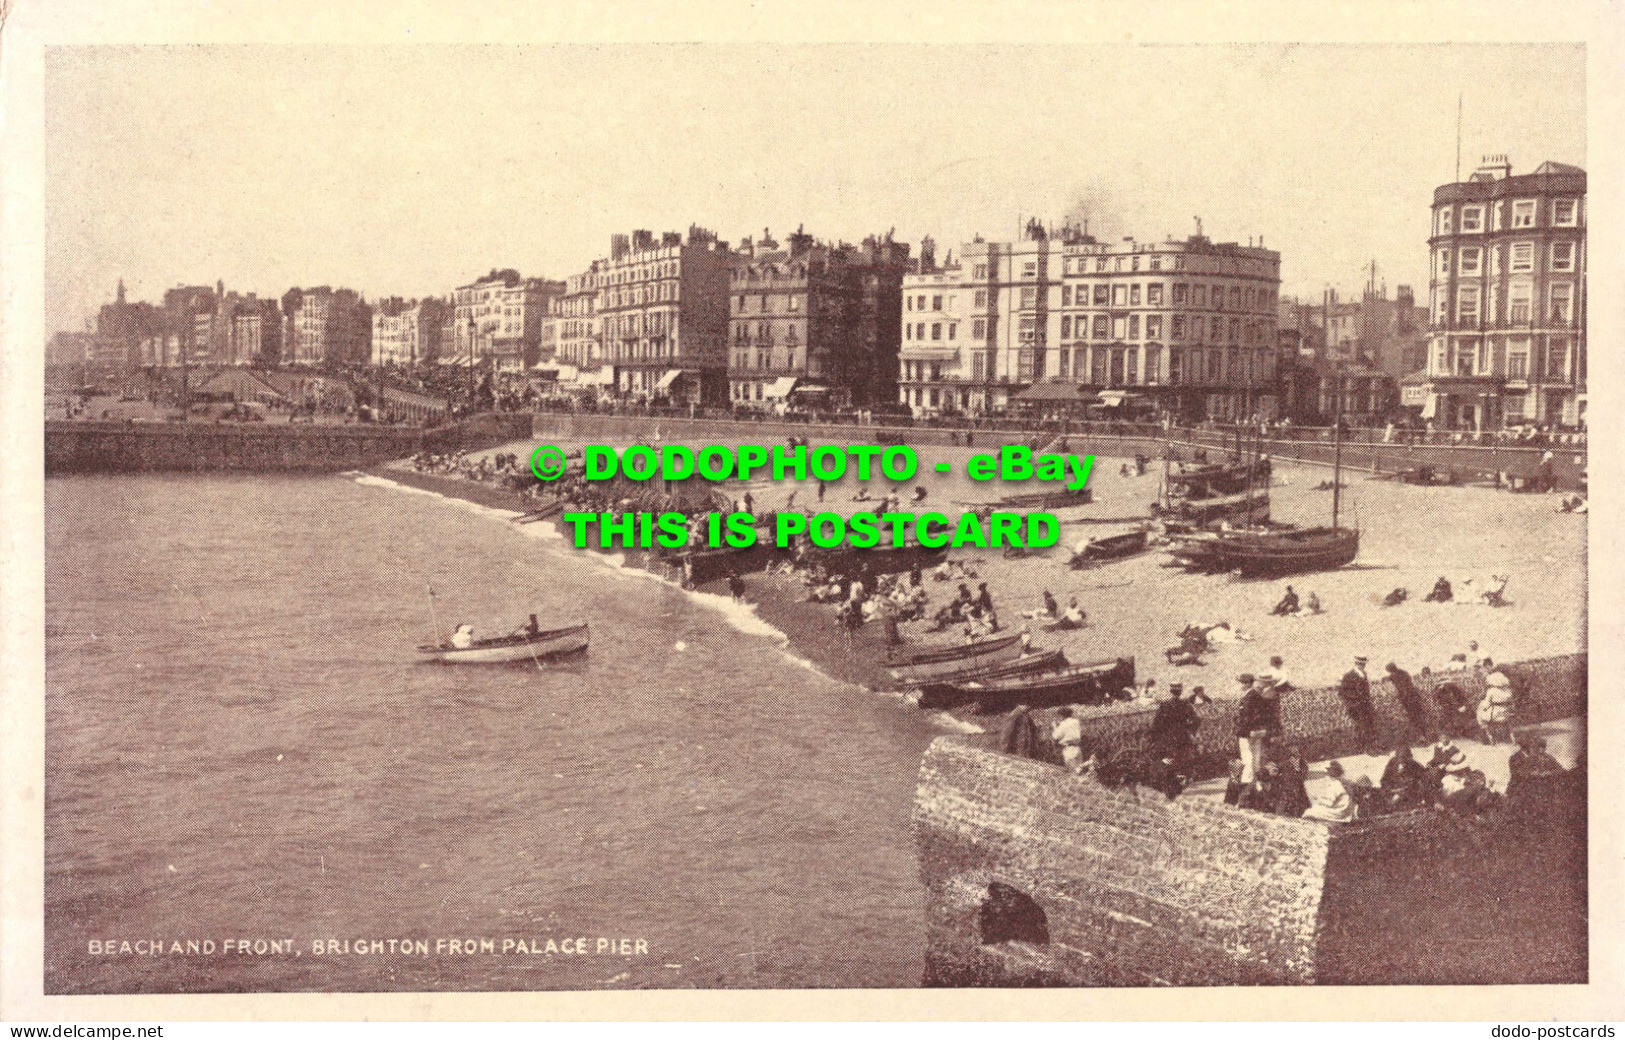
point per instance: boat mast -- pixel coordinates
(1337, 461)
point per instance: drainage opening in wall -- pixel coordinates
(1010, 915)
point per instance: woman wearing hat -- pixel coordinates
(1495, 710)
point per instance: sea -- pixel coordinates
(253, 784)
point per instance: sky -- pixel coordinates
(410, 170)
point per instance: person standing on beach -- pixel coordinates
(1409, 700)
(820, 491)
(1355, 693)
(1258, 720)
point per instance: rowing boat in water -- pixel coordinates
(938, 692)
(1091, 683)
(915, 667)
(508, 649)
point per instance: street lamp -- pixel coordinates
(471, 362)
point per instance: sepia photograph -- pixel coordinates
(534, 517)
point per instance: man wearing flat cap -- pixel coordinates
(1355, 693)
(1173, 730)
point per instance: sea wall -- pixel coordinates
(1470, 462)
(114, 447)
(1316, 722)
(1035, 876)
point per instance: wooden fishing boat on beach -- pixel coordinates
(1241, 507)
(1039, 500)
(1028, 663)
(1271, 554)
(546, 512)
(939, 692)
(708, 565)
(926, 663)
(1092, 683)
(523, 646)
(882, 559)
(1112, 547)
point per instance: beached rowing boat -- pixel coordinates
(546, 512)
(1114, 547)
(1040, 500)
(507, 649)
(882, 559)
(938, 692)
(1090, 683)
(918, 666)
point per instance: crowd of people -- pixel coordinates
(1268, 773)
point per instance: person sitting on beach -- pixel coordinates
(1288, 794)
(1330, 801)
(1047, 611)
(463, 638)
(984, 605)
(1223, 633)
(1072, 617)
(1531, 769)
(1396, 597)
(1068, 733)
(1401, 781)
(1464, 789)
(863, 496)
(1288, 604)
(1441, 592)
(1234, 787)
(1311, 606)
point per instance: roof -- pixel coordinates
(241, 383)
(1067, 392)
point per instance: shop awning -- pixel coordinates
(671, 376)
(1116, 398)
(811, 388)
(779, 389)
(1056, 393)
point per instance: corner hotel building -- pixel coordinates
(1188, 325)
